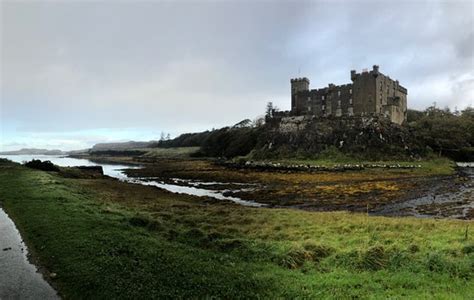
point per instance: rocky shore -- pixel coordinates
(276, 166)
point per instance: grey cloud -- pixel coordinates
(191, 65)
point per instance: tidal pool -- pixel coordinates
(456, 202)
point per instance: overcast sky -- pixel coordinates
(74, 73)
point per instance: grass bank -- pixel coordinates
(438, 166)
(105, 238)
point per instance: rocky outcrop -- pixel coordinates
(370, 136)
(277, 166)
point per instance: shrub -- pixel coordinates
(42, 165)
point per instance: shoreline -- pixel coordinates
(376, 188)
(157, 243)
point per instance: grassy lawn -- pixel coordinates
(110, 239)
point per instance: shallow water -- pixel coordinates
(112, 170)
(116, 171)
(19, 279)
(457, 202)
(191, 190)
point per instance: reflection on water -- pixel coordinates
(193, 191)
(112, 170)
(19, 279)
(116, 171)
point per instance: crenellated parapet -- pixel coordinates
(370, 93)
(298, 80)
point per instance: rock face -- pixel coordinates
(292, 124)
(369, 136)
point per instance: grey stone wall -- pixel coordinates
(370, 92)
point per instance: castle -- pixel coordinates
(370, 93)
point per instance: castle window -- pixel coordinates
(339, 93)
(322, 97)
(309, 108)
(350, 111)
(350, 91)
(339, 103)
(323, 107)
(350, 101)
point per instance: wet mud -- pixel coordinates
(389, 192)
(449, 198)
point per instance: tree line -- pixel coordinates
(433, 131)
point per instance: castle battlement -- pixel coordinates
(302, 79)
(370, 92)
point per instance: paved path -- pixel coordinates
(19, 279)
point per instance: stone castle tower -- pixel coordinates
(370, 93)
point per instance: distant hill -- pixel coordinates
(33, 151)
(121, 146)
(78, 152)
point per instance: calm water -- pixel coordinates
(116, 171)
(112, 170)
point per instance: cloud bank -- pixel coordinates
(73, 72)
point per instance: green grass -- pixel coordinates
(429, 167)
(109, 239)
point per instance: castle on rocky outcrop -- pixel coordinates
(370, 93)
